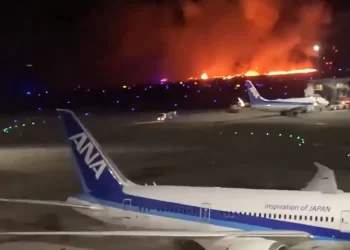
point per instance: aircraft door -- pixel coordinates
(345, 222)
(205, 212)
(127, 217)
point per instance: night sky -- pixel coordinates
(110, 42)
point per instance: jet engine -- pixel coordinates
(232, 243)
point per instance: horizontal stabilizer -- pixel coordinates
(50, 203)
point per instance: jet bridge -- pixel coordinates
(333, 89)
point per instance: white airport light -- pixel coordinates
(316, 48)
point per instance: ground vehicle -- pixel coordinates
(339, 105)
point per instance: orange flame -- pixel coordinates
(252, 73)
(297, 71)
(204, 76)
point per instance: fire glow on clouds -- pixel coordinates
(224, 37)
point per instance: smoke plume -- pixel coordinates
(183, 39)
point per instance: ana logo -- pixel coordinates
(85, 147)
(254, 92)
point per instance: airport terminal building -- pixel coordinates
(333, 89)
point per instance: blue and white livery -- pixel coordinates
(216, 218)
(289, 106)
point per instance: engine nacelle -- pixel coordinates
(232, 243)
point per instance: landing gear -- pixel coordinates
(291, 113)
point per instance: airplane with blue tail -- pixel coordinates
(317, 217)
(288, 106)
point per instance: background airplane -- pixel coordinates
(167, 116)
(290, 106)
(216, 218)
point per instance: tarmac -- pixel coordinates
(250, 149)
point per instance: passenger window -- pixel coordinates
(264, 215)
(295, 217)
(315, 218)
(310, 218)
(285, 216)
(305, 217)
(259, 214)
(269, 215)
(274, 216)
(279, 216)
(326, 219)
(290, 216)
(321, 218)
(332, 219)
(300, 217)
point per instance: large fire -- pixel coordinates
(221, 37)
(205, 76)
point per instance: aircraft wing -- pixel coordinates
(323, 181)
(208, 240)
(50, 203)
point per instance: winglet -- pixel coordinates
(324, 181)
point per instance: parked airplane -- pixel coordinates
(290, 106)
(216, 218)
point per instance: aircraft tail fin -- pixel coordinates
(96, 170)
(254, 96)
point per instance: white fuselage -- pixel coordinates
(322, 215)
(279, 105)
